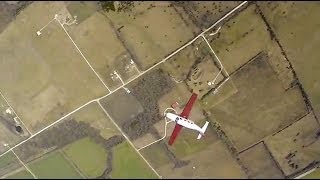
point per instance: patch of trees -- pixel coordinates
(123, 6)
(148, 91)
(61, 135)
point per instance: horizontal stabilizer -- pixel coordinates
(203, 130)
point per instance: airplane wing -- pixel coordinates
(186, 111)
(175, 133)
(185, 114)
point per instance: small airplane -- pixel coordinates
(183, 121)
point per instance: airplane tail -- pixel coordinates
(203, 130)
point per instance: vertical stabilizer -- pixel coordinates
(203, 130)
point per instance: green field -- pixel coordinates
(155, 155)
(187, 144)
(53, 165)
(21, 175)
(128, 164)
(314, 175)
(88, 156)
(7, 159)
(95, 116)
(8, 162)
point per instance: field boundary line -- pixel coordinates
(165, 135)
(5, 99)
(222, 68)
(25, 166)
(47, 127)
(64, 155)
(181, 48)
(111, 92)
(64, 29)
(306, 173)
(111, 119)
(215, 55)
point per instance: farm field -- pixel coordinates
(266, 101)
(89, 84)
(23, 174)
(12, 129)
(138, 28)
(8, 163)
(127, 164)
(314, 175)
(245, 30)
(50, 80)
(259, 163)
(297, 146)
(90, 121)
(87, 141)
(187, 160)
(54, 165)
(93, 115)
(88, 156)
(99, 42)
(203, 14)
(300, 42)
(122, 100)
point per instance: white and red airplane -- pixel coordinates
(183, 121)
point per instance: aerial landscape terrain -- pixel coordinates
(85, 86)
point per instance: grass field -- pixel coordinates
(8, 134)
(299, 139)
(129, 105)
(144, 140)
(90, 121)
(128, 164)
(300, 42)
(23, 174)
(141, 33)
(224, 92)
(314, 175)
(82, 10)
(205, 72)
(54, 165)
(187, 144)
(180, 94)
(88, 156)
(179, 65)
(203, 14)
(196, 66)
(259, 163)
(155, 155)
(214, 161)
(8, 131)
(97, 39)
(268, 107)
(8, 163)
(94, 115)
(206, 158)
(243, 37)
(50, 79)
(232, 42)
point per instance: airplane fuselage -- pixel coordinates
(183, 122)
